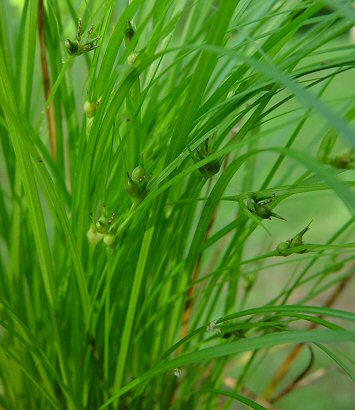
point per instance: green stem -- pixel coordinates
(137, 283)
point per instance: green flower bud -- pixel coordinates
(286, 248)
(282, 247)
(265, 212)
(93, 236)
(343, 161)
(137, 190)
(250, 204)
(72, 46)
(81, 45)
(138, 174)
(102, 225)
(90, 108)
(258, 206)
(210, 169)
(137, 184)
(102, 229)
(109, 239)
(202, 152)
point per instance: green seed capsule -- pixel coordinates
(137, 184)
(137, 191)
(72, 46)
(265, 212)
(93, 236)
(81, 45)
(138, 174)
(109, 239)
(102, 225)
(282, 247)
(203, 152)
(258, 205)
(90, 108)
(210, 169)
(342, 161)
(250, 204)
(287, 248)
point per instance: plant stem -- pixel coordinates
(50, 113)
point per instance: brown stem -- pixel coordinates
(50, 113)
(286, 365)
(288, 389)
(190, 295)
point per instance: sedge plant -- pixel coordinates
(161, 162)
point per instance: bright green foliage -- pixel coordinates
(175, 293)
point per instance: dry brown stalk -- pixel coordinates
(50, 113)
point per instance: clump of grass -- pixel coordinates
(145, 168)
